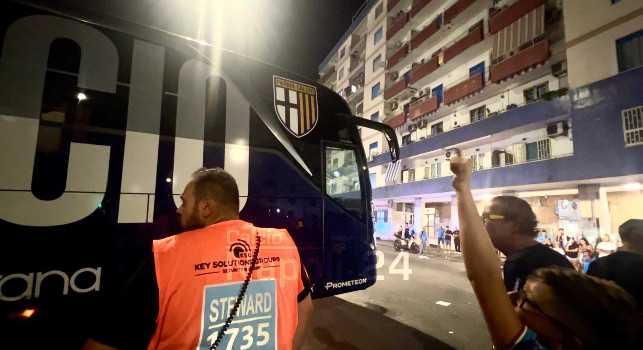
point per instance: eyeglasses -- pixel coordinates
(492, 217)
(522, 299)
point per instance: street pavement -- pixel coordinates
(415, 304)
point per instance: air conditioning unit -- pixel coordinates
(413, 127)
(398, 44)
(422, 124)
(421, 93)
(557, 129)
(394, 75)
(394, 106)
(559, 69)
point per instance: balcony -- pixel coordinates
(398, 56)
(398, 23)
(329, 77)
(395, 89)
(418, 6)
(474, 37)
(429, 105)
(506, 16)
(425, 69)
(426, 33)
(396, 121)
(391, 5)
(520, 61)
(463, 89)
(457, 8)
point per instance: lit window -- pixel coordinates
(377, 36)
(538, 150)
(375, 91)
(477, 114)
(633, 126)
(535, 92)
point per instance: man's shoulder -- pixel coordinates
(542, 255)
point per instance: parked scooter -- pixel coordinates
(401, 243)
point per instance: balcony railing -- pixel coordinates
(463, 89)
(328, 75)
(395, 89)
(396, 121)
(453, 11)
(391, 5)
(398, 56)
(429, 105)
(425, 69)
(474, 37)
(426, 33)
(397, 25)
(524, 59)
(511, 14)
(418, 6)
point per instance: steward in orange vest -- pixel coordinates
(200, 277)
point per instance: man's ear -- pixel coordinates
(207, 207)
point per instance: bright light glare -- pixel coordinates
(486, 197)
(167, 179)
(81, 96)
(28, 313)
(278, 210)
(632, 186)
(353, 88)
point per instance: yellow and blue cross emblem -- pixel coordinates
(296, 105)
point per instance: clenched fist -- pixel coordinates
(462, 169)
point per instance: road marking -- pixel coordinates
(443, 303)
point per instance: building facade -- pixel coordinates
(544, 95)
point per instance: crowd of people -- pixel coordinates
(544, 302)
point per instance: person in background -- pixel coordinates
(542, 236)
(175, 299)
(423, 238)
(562, 238)
(447, 239)
(556, 306)
(558, 249)
(625, 267)
(586, 259)
(585, 245)
(456, 239)
(571, 250)
(440, 232)
(606, 246)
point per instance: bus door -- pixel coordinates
(347, 223)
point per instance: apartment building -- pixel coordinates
(544, 95)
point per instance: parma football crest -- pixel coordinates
(296, 105)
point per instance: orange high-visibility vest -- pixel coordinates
(200, 274)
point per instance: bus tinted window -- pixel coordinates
(343, 181)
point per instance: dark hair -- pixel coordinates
(584, 239)
(217, 184)
(602, 307)
(519, 212)
(631, 230)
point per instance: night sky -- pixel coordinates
(293, 34)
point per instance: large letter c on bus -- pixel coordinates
(22, 76)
